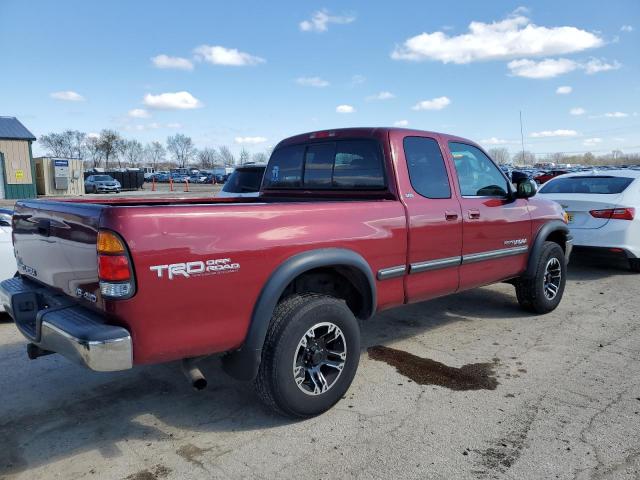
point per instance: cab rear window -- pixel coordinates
(587, 184)
(337, 165)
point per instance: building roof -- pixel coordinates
(12, 129)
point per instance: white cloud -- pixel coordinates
(321, 19)
(312, 82)
(554, 133)
(68, 96)
(513, 37)
(590, 142)
(494, 141)
(172, 101)
(174, 125)
(547, 68)
(434, 104)
(250, 140)
(401, 123)
(381, 96)
(358, 79)
(596, 65)
(218, 55)
(564, 90)
(345, 109)
(165, 61)
(626, 28)
(139, 113)
(616, 114)
(577, 111)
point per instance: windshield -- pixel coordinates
(102, 178)
(245, 180)
(599, 184)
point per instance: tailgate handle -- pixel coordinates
(44, 227)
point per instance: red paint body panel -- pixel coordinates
(186, 317)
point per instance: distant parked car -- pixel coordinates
(544, 177)
(245, 181)
(603, 210)
(8, 267)
(101, 183)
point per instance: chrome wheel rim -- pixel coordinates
(319, 358)
(552, 278)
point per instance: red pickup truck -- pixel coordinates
(349, 222)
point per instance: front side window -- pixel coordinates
(478, 176)
(342, 164)
(427, 171)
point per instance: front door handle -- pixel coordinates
(450, 216)
(474, 214)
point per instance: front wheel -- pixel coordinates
(310, 355)
(542, 292)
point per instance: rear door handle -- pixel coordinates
(474, 214)
(450, 216)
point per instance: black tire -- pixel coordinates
(531, 291)
(292, 319)
(634, 264)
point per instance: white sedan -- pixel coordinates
(8, 266)
(603, 207)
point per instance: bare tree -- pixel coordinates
(500, 155)
(93, 151)
(110, 144)
(244, 156)
(181, 147)
(259, 157)
(207, 157)
(68, 144)
(524, 158)
(226, 157)
(155, 153)
(53, 144)
(132, 151)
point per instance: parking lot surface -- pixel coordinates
(556, 396)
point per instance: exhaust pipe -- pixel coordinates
(193, 373)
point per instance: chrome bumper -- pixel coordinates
(54, 323)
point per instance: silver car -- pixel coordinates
(101, 184)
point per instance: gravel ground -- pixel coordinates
(557, 396)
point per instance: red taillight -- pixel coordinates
(113, 268)
(614, 213)
(322, 134)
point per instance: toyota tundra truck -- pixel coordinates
(349, 222)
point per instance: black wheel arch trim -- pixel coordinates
(243, 363)
(543, 234)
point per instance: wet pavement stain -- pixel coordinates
(474, 376)
(158, 472)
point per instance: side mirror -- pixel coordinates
(526, 188)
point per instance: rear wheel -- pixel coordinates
(634, 264)
(542, 292)
(310, 355)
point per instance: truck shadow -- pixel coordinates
(51, 409)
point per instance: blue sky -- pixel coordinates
(256, 72)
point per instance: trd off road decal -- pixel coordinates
(195, 269)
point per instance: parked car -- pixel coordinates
(8, 267)
(603, 210)
(292, 272)
(244, 181)
(101, 184)
(543, 177)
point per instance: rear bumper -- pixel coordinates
(53, 322)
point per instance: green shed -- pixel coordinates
(17, 169)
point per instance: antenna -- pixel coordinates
(524, 160)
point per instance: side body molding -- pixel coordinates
(243, 363)
(544, 232)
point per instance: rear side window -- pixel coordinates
(427, 171)
(244, 180)
(343, 164)
(590, 185)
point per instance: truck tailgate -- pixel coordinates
(55, 244)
